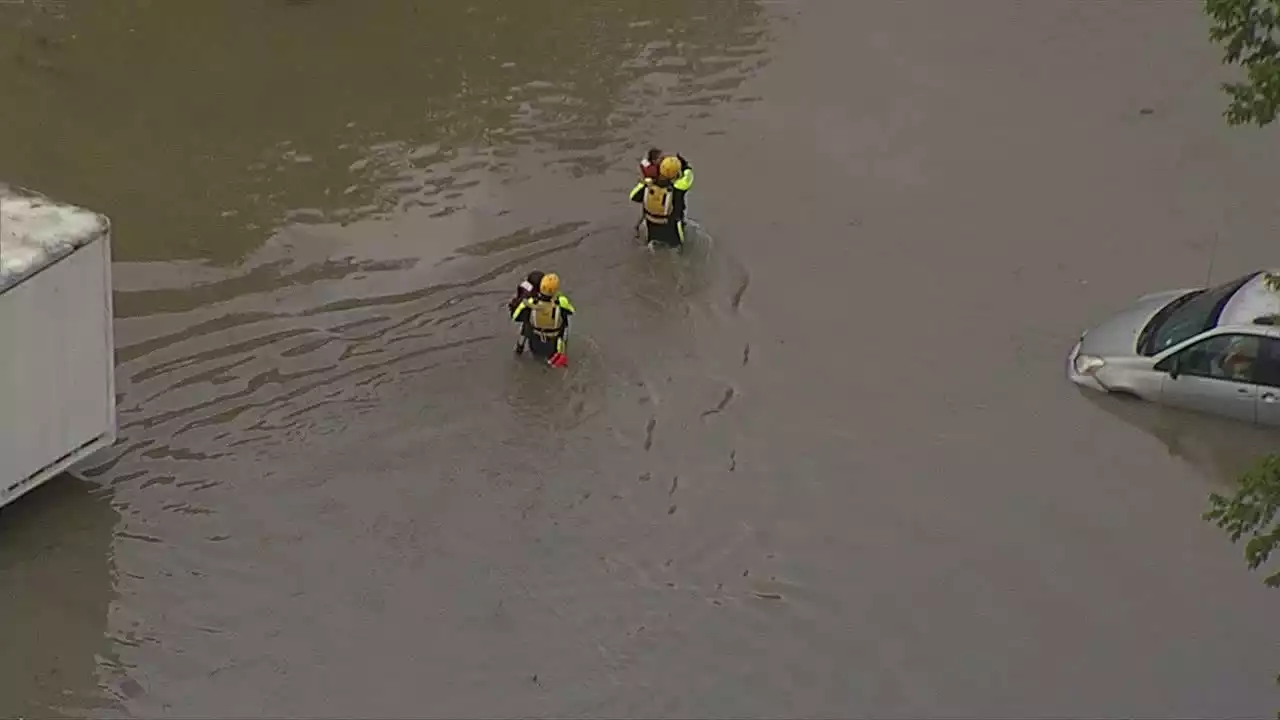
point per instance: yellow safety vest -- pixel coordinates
(657, 203)
(545, 317)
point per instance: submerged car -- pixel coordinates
(1213, 350)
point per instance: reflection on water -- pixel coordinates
(55, 560)
(203, 127)
(1220, 450)
(320, 209)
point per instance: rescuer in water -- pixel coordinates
(544, 322)
(663, 200)
(648, 171)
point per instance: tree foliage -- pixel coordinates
(1249, 33)
(1252, 511)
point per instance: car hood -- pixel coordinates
(1119, 334)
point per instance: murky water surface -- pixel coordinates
(824, 464)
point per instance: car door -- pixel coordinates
(1269, 382)
(1216, 375)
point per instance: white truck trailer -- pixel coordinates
(57, 348)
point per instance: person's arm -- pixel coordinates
(685, 181)
(637, 192)
(522, 292)
(566, 313)
(522, 310)
(563, 338)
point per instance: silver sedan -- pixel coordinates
(1214, 350)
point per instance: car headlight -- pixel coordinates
(1089, 364)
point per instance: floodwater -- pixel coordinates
(826, 463)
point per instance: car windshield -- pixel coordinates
(1190, 315)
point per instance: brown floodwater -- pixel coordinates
(824, 463)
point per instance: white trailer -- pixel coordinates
(57, 347)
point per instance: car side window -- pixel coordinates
(1269, 362)
(1223, 357)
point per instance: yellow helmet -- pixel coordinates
(670, 167)
(550, 284)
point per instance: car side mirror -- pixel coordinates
(1175, 366)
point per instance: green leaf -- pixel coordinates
(1254, 508)
(1252, 511)
(1248, 32)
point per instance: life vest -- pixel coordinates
(657, 203)
(545, 317)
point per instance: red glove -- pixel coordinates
(559, 360)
